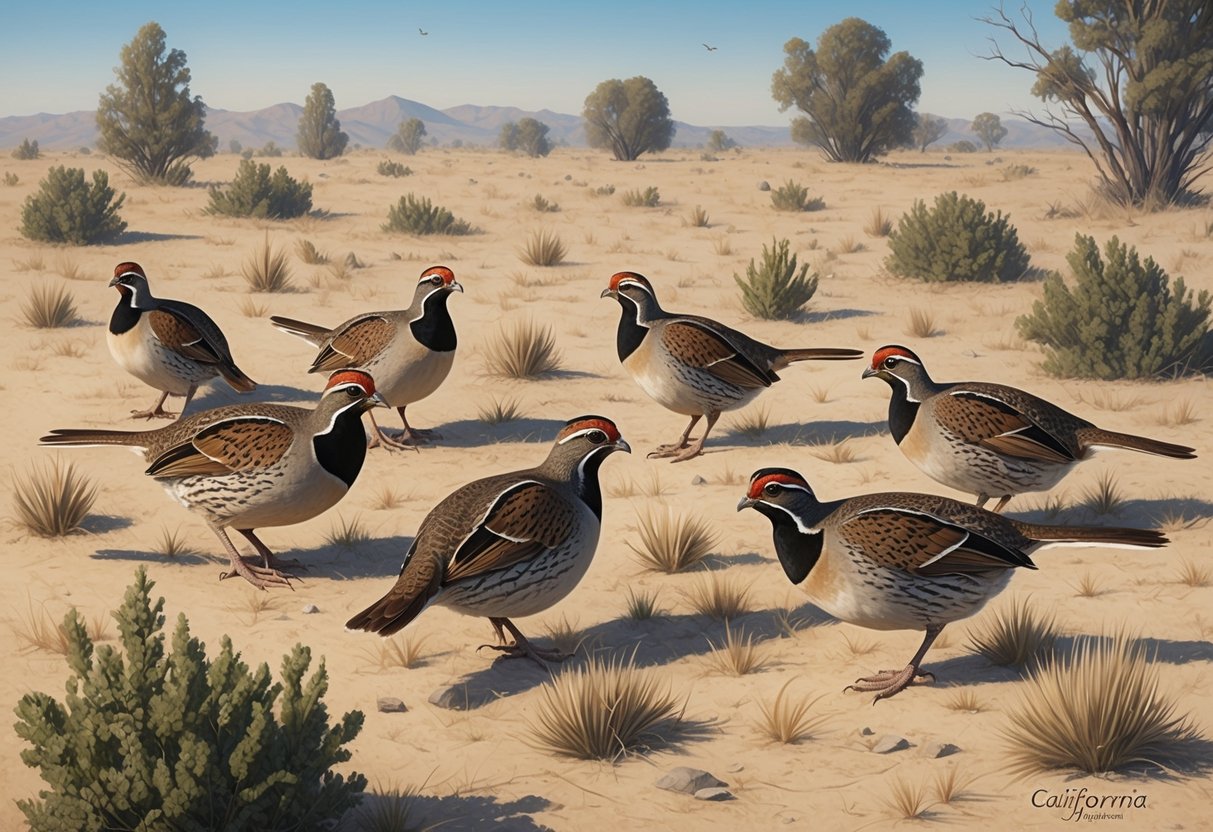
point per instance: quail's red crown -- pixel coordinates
(129, 267)
(582, 423)
(448, 276)
(620, 277)
(358, 377)
(783, 476)
(881, 354)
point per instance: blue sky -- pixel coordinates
(245, 56)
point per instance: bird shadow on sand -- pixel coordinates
(1180, 512)
(127, 238)
(809, 433)
(457, 813)
(102, 523)
(219, 394)
(473, 433)
(812, 316)
(652, 642)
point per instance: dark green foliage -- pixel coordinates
(413, 215)
(792, 196)
(857, 97)
(962, 146)
(719, 142)
(408, 136)
(988, 127)
(955, 240)
(27, 150)
(629, 117)
(528, 136)
(255, 193)
(148, 121)
(928, 129)
(776, 289)
(1122, 318)
(1137, 80)
(234, 146)
(269, 149)
(320, 135)
(66, 209)
(650, 197)
(152, 739)
(389, 168)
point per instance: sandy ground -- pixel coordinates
(476, 769)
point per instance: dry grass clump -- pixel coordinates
(642, 605)
(719, 597)
(523, 350)
(922, 324)
(1088, 586)
(347, 534)
(306, 251)
(173, 544)
(879, 224)
(49, 307)
(388, 809)
(564, 635)
(499, 411)
(906, 800)
(1179, 412)
(543, 249)
(266, 269)
(1193, 574)
(839, 453)
(543, 205)
(849, 245)
(951, 785)
(36, 630)
(1012, 173)
(737, 655)
(650, 197)
(788, 721)
(388, 498)
(397, 651)
(1097, 710)
(752, 423)
(52, 500)
(604, 710)
(1105, 497)
(698, 218)
(965, 699)
(672, 542)
(792, 196)
(722, 246)
(630, 487)
(249, 308)
(1014, 635)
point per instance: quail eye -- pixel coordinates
(890, 362)
(596, 436)
(354, 391)
(772, 489)
(436, 280)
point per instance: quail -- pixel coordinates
(693, 365)
(508, 545)
(409, 352)
(167, 344)
(990, 440)
(246, 466)
(902, 561)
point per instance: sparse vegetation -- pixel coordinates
(719, 597)
(522, 350)
(698, 218)
(879, 224)
(306, 251)
(628, 117)
(66, 209)
(753, 422)
(398, 651)
(642, 604)
(37, 630)
(27, 150)
(53, 499)
(955, 240)
(266, 270)
(966, 700)
(650, 197)
(173, 544)
(1104, 497)
(737, 655)
(1013, 173)
(319, 135)
(49, 307)
(1121, 318)
(543, 249)
(417, 215)
(388, 167)
(1193, 574)
(1014, 635)
(906, 800)
(542, 205)
(777, 288)
(408, 137)
(671, 542)
(499, 412)
(792, 196)
(922, 324)
(347, 534)
(1088, 586)
(254, 192)
(786, 721)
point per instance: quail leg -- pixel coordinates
(1002, 503)
(697, 448)
(663, 451)
(158, 412)
(381, 437)
(521, 647)
(258, 576)
(268, 559)
(888, 683)
(412, 434)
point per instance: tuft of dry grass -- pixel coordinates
(839, 453)
(499, 411)
(1014, 635)
(906, 800)
(950, 785)
(642, 605)
(698, 218)
(719, 597)
(964, 699)
(859, 646)
(737, 655)
(255, 603)
(1193, 574)
(49, 307)
(306, 251)
(1105, 497)
(564, 635)
(266, 270)
(388, 498)
(849, 245)
(672, 542)
(650, 197)
(753, 422)
(722, 246)
(1097, 710)
(523, 350)
(52, 500)
(1179, 412)
(543, 249)
(819, 393)
(388, 809)
(37, 630)
(631, 487)
(172, 544)
(604, 710)
(786, 721)
(879, 224)
(397, 651)
(347, 534)
(69, 349)
(249, 308)
(1088, 586)
(922, 324)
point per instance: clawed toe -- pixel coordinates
(888, 683)
(527, 651)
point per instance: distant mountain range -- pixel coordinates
(372, 124)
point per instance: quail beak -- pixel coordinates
(622, 445)
(114, 281)
(455, 286)
(745, 502)
(608, 293)
(376, 400)
(868, 372)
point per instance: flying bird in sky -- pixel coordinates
(709, 48)
(422, 32)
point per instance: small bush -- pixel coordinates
(955, 240)
(543, 249)
(791, 196)
(394, 169)
(1122, 318)
(66, 209)
(52, 501)
(719, 597)
(672, 543)
(788, 722)
(49, 307)
(150, 738)
(266, 270)
(269, 150)
(27, 150)
(543, 205)
(603, 190)
(413, 215)
(650, 197)
(525, 350)
(306, 251)
(255, 193)
(879, 224)
(776, 289)
(698, 218)
(1013, 172)
(962, 146)
(11, 179)
(1015, 635)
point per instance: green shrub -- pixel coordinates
(776, 289)
(962, 146)
(269, 149)
(11, 179)
(150, 738)
(255, 193)
(389, 168)
(413, 215)
(650, 197)
(955, 240)
(66, 209)
(792, 196)
(1121, 319)
(27, 150)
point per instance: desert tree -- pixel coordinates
(147, 120)
(988, 127)
(629, 117)
(719, 141)
(27, 150)
(928, 129)
(527, 136)
(320, 135)
(856, 97)
(1134, 90)
(408, 136)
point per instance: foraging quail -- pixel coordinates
(509, 545)
(246, 466)
(990, 439)
(693, 365)
(409, 351)
(167, 344)
(901, 561)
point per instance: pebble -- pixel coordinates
(698, 480)
(890, 743)
(391, 705)
(764, 185)
(939, 749)
(688, 780)
(311, 609)
(715, 793)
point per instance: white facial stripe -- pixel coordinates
(906, 383)
(585, 459)
(339, 411)
(799, 523)
(800, 488)
(627, 281)
(582, 432)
